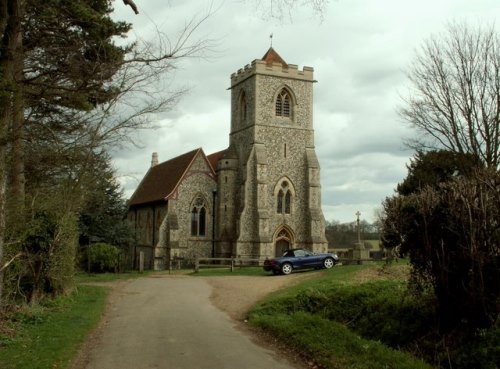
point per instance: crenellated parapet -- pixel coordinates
(289, 71)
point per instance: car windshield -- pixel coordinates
(297, 253)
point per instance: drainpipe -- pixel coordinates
(214, 194)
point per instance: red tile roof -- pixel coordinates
(162, 179)
(271, 56)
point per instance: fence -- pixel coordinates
(229, 263)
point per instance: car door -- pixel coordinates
(312, 260)
(300, 260)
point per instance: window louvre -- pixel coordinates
(283, 107)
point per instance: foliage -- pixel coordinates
(445, 219)
(454, 245)
(345, 235)
(432, 168)
(69, 89)
(310, 315)
(104, 257)
(331, 344)
(102, 217)
(453, 100)
(49, 335)
(46, 248)
(323, 319)
(71, 57)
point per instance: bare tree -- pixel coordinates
(454, 98)
(282, 9)
(45, 101)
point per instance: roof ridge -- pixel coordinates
(271, 56)
(186, 169)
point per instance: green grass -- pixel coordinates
(315, 317)
(82, 277)
(48, 336)
(331, 344)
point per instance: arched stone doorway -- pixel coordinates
(283, 242)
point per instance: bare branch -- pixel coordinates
(132, 5)
(454, 97)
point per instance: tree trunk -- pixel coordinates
(16, 181)
(10, 24)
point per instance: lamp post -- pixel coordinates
(214, 195)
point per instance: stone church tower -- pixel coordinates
(255, 199)
(268, 180)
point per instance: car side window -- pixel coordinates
(289, 253)
(300, 253)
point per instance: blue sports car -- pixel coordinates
(299, 259)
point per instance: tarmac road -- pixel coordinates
(170, 323)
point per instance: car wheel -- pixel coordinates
(286, 268)
(328, 263)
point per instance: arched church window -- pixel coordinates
(243, 106)
(202, 222)
(199, 218)
(194, 222)
(283, 104)
(279, 208)
(284, 199)
(288, 200)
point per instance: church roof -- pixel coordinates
(214, 158)
(162, 179)
(271, 56)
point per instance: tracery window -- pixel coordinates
(198, 218)
(284, 199)
(288, 200)
(283, 108)
(279, 208)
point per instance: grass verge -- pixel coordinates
(226, 272)
(332, 345)
(83, 277)
(315, 318)
(49, 335)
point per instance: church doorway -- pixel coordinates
(283, 242)
(281, 247)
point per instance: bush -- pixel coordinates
(104, 258)
(331, 344)
(385, 311)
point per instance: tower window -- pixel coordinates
(284, 199)
(279, 208)
(288, 200)
(243, 106)
(198, 218)
(283, 108)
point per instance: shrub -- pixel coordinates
(104, 257)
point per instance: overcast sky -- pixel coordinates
(359, 53)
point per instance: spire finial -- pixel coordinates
(271, 37)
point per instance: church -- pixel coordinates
(256, 199)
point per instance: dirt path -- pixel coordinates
(236, 295)
(171, 321)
